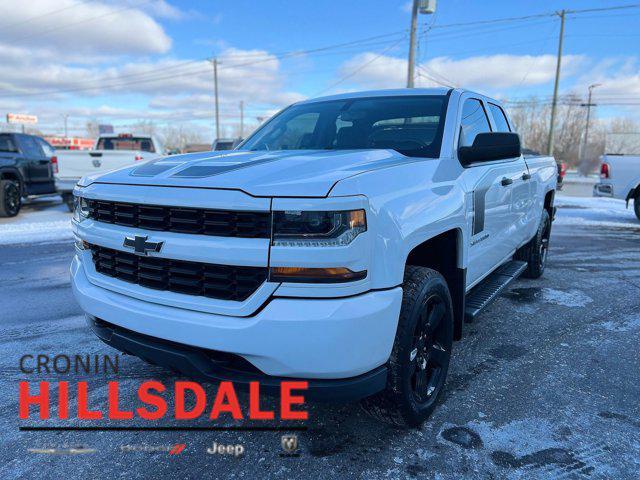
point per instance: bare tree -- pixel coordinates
(177, 137)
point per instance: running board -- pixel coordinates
(488, 290)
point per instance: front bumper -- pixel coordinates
(209, 366)
(336, 338)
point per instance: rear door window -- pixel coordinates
(30, 147)
(48, 150)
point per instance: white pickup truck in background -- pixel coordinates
(620, 169)
(110, 152)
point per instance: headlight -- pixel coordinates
(80, 209)
(317, 229)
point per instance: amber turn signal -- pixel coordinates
(315, 275)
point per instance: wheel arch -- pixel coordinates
(444, 253)
(549, 199)
(13, 174)
(633, 193)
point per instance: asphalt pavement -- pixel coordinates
(543, 385)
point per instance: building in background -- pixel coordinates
(70, 143)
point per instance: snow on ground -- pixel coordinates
(595, 211)
(42, 220)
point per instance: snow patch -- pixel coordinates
(39, 221)
(630, 322)
(569, 298)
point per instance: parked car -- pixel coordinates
(25, 170)
(344, 244)
(620, 170)
(111, 151)
(226, 143)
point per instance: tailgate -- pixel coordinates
(78, 164)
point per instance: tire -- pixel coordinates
(419, 361)
(536, 251)
(67, 198)
(10, 198)
(636, 205)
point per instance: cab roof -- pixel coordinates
(381, 93)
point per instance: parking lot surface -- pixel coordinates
(543, 385)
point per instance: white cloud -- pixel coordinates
(163, 9)
(87, 28)
(172, 89)
(479, 72)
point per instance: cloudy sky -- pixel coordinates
(123, 61)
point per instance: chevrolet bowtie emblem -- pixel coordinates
(141, 246)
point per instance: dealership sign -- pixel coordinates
(21, 118)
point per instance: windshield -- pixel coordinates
(411, 125)
(126, 143)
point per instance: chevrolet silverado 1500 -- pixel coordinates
(344, 243)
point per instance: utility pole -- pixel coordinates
(412, 44)
(555, 86)
(215, 90)
(419, 6)
(588, 105)
(241, 119)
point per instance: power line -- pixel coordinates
(359, 69)
(89, 19)
(164, 75)
(46, 14)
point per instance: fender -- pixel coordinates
(633, 193)
(13, 173)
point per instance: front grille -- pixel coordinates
(220, 223)
(222, 282)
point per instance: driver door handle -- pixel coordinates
(526, 176)
(506, 181)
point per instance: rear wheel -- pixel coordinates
(535, 252)
(10, 198)
(636, 205)
(419, 360)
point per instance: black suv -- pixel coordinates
(25, 170)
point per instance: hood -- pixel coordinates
(309, 173)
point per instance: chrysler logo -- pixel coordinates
(140, 244)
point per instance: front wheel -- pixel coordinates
(10, 198)
(636, 205)
(419, 360)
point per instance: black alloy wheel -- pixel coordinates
(429, 356)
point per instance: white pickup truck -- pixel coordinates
(111, 151)
(620, 170)
(344, 243)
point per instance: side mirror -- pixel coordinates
(491, 146)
